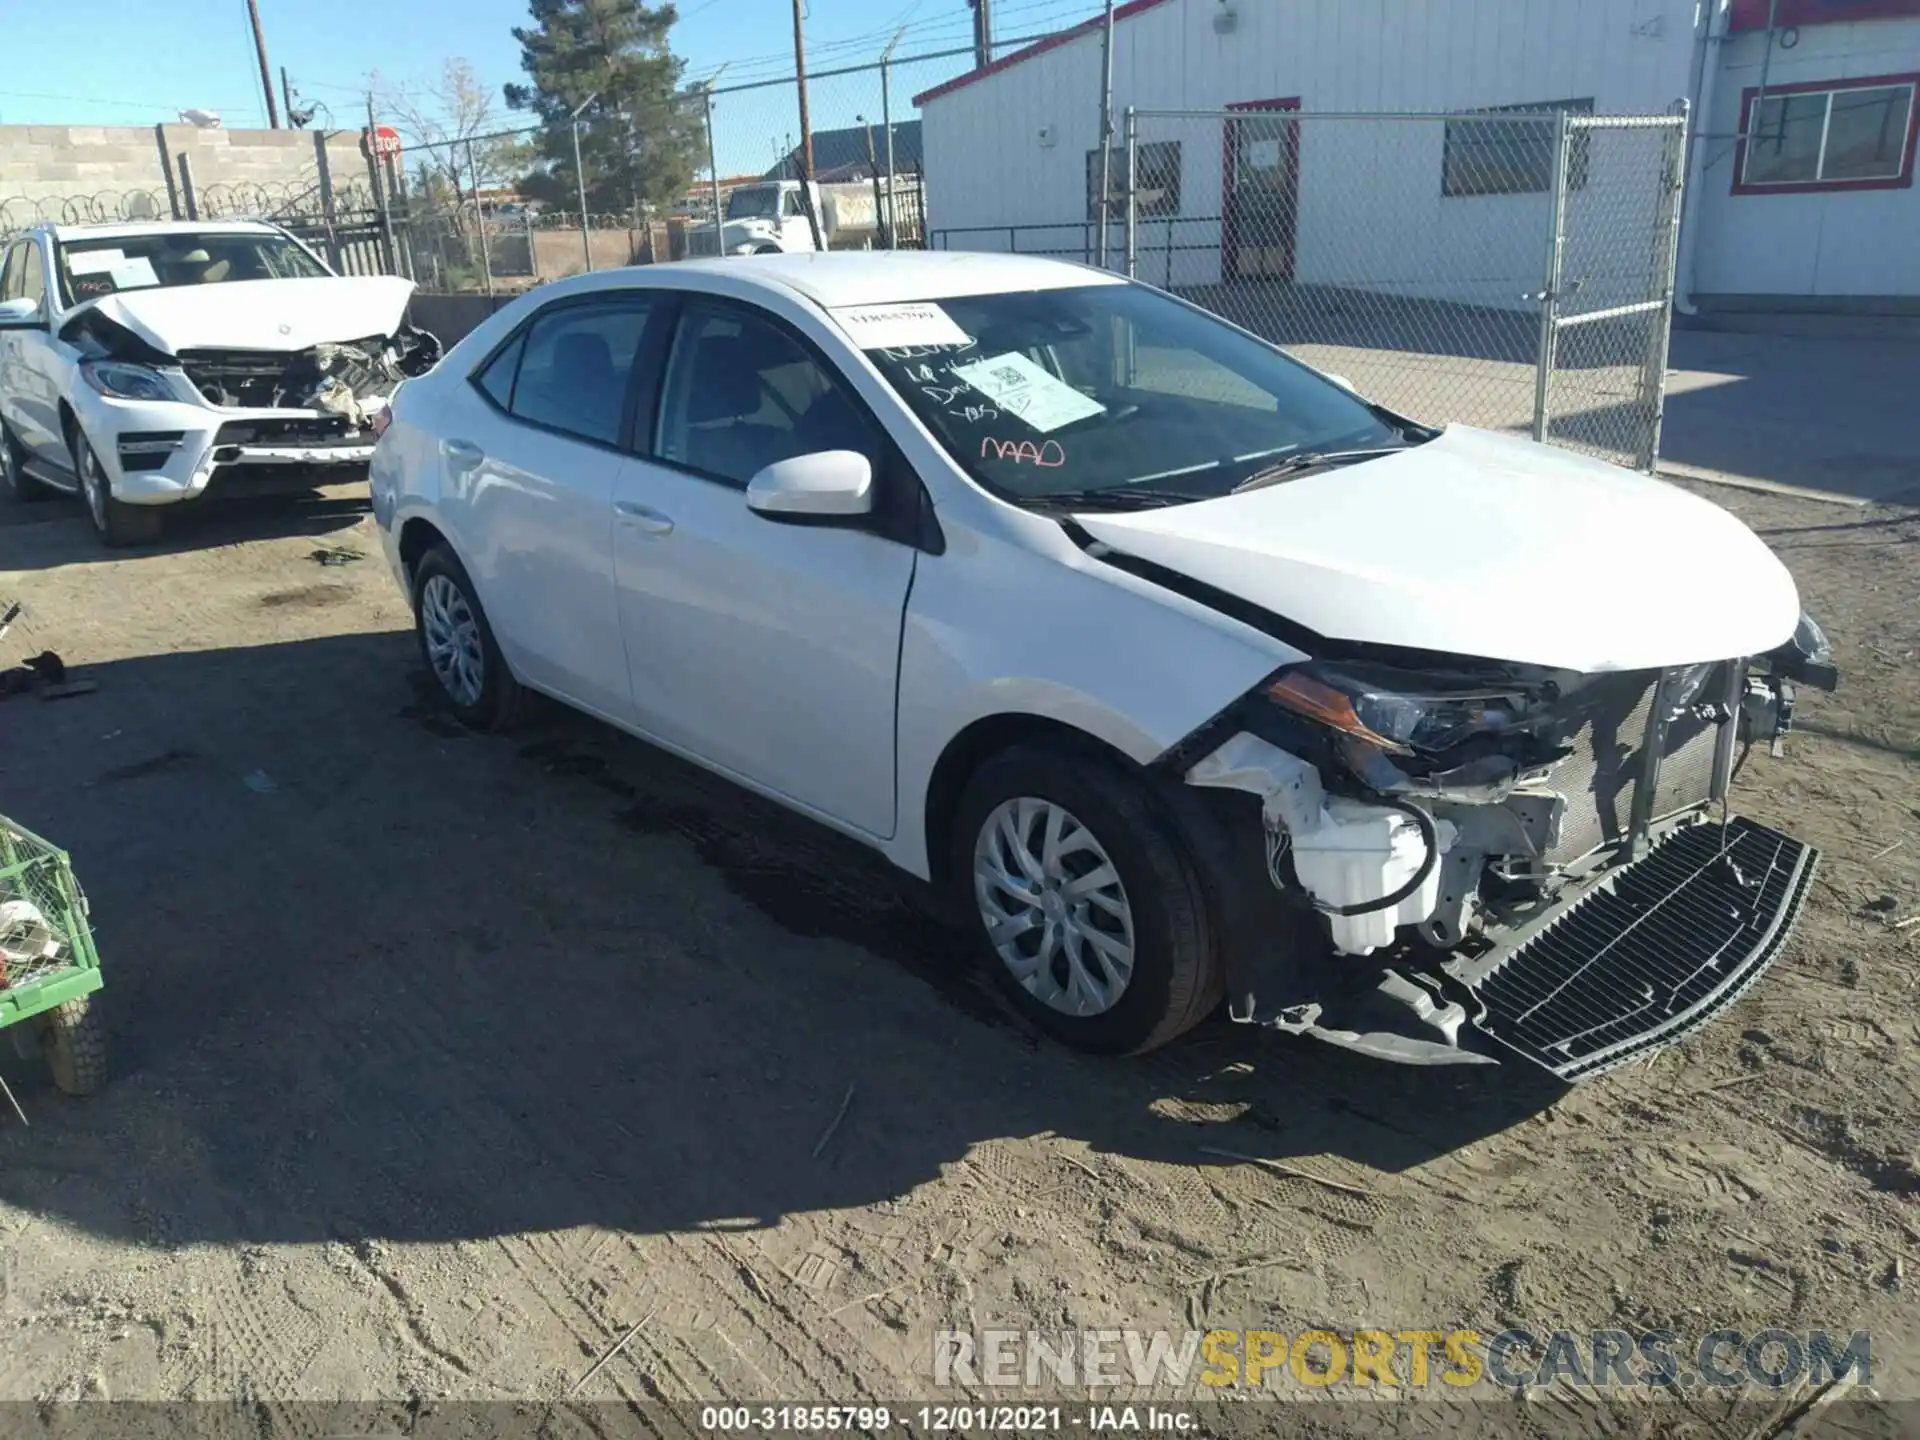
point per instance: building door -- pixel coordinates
(1260, 190)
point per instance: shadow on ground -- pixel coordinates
(203, 525)
(370, 975)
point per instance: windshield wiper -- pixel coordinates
(1118, 497)
(1296, 465)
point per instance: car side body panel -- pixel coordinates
(1010, 624)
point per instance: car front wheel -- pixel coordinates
(1095, 921)
(114, 521)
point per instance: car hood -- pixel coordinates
(1480, 544)
(261, 314)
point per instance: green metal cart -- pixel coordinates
(50, 968)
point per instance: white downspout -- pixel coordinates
(1702, 113)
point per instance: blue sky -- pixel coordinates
(133, 62)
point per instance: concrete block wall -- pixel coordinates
(73, 171)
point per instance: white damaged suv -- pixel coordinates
(1192, 673)
(143, 366)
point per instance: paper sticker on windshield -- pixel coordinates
(893, 327)
(94, 262)
(1020, 387)
(133, 273)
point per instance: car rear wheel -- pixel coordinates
(14, 480)
(114, 521)
(458, 645)
(1095, 921)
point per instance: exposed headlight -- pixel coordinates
(121, 380)
(1400, 717)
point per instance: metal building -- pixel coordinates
(1799, 171)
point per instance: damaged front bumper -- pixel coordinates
(163, 453)
(1485, 929)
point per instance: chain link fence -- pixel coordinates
(1506, 269)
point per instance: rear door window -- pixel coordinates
(575, 364)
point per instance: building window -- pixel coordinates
(1157, 180)
(1485, 154)
(1856, 135)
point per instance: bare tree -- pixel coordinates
(438, 121)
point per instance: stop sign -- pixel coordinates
(383, 142)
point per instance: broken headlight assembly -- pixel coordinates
(124, 380)
(1401, 714)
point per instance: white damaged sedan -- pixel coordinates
(1194, 674)
(144, 366)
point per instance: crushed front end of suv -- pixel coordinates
(146, 366)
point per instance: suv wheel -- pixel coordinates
(458, 645)
(116, 522)
(1094, 917)
(14, 480)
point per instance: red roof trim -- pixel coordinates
(1005, 62)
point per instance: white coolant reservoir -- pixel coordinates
(1354, 852)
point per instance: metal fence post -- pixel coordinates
(1653, 378)
(580, 181)
(1556, 257)
(187, 196)
(1133, 187)
(713, 175)
(480, 220)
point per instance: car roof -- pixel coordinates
(129, 229)
(879, 277)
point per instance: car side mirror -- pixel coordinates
(825, 485)
(21, 314)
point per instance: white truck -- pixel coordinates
(770, 218)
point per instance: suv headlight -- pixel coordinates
(122, 380)
(1401, 716)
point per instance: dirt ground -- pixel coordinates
(442, 1059)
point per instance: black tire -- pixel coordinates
(18, 486)
(767, 250)
(74, 1042)
(1176, 978)
(503, 702)
(117, 523)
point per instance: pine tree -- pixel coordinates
(640, 135)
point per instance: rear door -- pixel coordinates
(767, 649)
(531, 450)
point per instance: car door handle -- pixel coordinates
(463, 453)
(642, 518)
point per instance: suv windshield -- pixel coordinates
(92, 268)
(1116, 392)
(754, 203)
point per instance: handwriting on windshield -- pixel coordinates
(923, 352)
(1049, 454)
(975, 414)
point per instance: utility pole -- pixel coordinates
(266, 71)
(580, 178)
(886, 123)
(1106, 132)
(713, 162)
(806, 128)
(286, 95)
(982, 33)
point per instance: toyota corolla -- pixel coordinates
(1195, 675)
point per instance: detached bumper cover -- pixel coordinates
(1647, 957)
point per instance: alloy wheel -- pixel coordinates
(452, 633)
(1054, 907)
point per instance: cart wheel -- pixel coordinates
(75, 1044)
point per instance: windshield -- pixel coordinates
(756, 202)
(1056, 393)
(92, 268)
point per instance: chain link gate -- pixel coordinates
(1508, 269)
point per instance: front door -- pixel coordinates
(766, 649)
(1260, 190)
